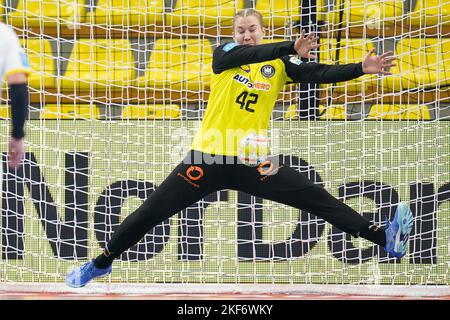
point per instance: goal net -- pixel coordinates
(118, 90)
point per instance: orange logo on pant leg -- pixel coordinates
(265, 167)
(194, 173)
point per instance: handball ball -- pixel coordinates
(253, 149)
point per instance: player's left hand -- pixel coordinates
(303, 45)
(16, 151)
(376, 64)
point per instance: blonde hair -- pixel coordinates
(249, 12)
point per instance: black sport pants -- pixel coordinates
(196, 177)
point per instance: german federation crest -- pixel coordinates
(268, 71)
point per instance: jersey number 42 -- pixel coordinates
(246, 99)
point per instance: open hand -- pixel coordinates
(16, 151)
(376, 64)
(303, 45)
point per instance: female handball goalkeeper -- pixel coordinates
(247, 78)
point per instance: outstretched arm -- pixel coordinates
(233, 55)
(304, 72)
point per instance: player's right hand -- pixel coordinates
(16, 152)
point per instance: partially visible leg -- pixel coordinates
(186, 185)
(183, 187)
(290, 187)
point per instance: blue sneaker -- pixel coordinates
(80, 276)
(397, 231)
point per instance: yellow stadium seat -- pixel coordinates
(4, 111)
(279, 13)
(50, 13)
(335, 112)
(178, 64)
(323, 6)
(156, 111)
(430, 13)
(204, 12)
(103, 63)
(70, 111)
(370, 13)
(350, 51)
(291, 113)
(127, 13)
(41, 60)
(399, 112)
(421, 63)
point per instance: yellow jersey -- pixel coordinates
(245, 84)
(241, 102)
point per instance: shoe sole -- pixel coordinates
(404, 220)
(81, 286)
